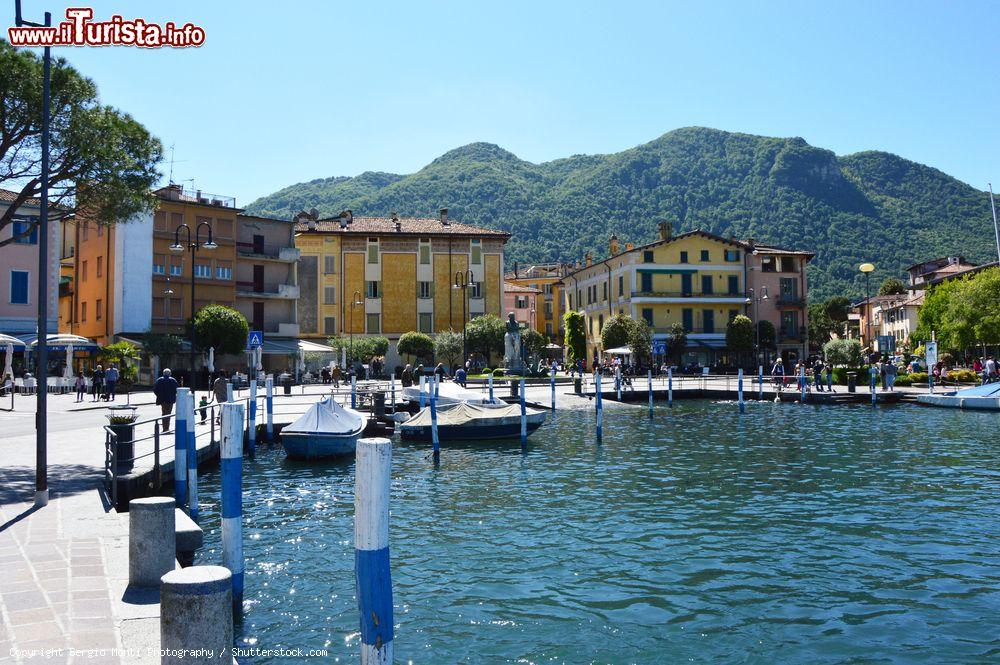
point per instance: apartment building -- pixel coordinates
(19, 272)
(546, 278)
(523, 301)
(390, 275)
(266, 291)
(700, 281)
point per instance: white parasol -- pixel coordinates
(258, 357)
(8, 363)
(302, 360)
(68, 369)
(211, 359)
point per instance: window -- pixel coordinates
(767, 264)
(160, 221)
(176, 308)
(100, 266)
(646, 282)
(21, 226)
(159, 264)
(83, 311)
(223, 270)
(704, 255)
(372, 323)
(425, 322)
(605, 290)
(621, 285)
(706, 285)
(372, 252)
(684, 257)
(158, 311)
(329, 264)
(789, 288)
(600, 322)
(18, 287)
(548, 329)
(425, 251)
(176, 219)
(548, 310)
(100, 309)
(687, 318)
(647, 316)
(330, 325)
(224, 228)
(373, 289)
(708, 320)
(569, 299)
(521, 302)
(202, 270)
(424, 290)
(85, 231)
(330, 295)
(176, 267)
(732, 255)
(789, 324)
(83, 271)
(733, 285)
(476, 290)
(548, 289)
(100, 233)
(477, 252)
(647, 256)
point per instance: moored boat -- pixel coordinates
(452, 393)
(326, 429)
(462, 422)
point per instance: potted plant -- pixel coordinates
(121, 420)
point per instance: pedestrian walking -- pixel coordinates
(818, 375)
(81, 386)
(110, 381)
(406, 377)
(97, 383)
(165, 390)
(778, 374)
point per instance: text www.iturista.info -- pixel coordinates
(80, 30)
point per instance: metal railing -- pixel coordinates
(687, 294)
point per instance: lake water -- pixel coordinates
(792, 534)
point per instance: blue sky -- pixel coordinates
(316, 89)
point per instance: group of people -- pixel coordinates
(103, 384)
(987, 368)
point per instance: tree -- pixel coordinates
(616, 331)
(484, 335)
(161, 345)
(766, 334)
(122, 354)
(448, 346)
(837, 308)
(677, 342)
(533, 342)
(962, 313)
(740, 335)
(576, 336)
(222, 328)
(416, 345)
(367, 347)
(892, 286)
(92, 146)
(843, 352)
(640, 341)
(821, 326)
(339, 343)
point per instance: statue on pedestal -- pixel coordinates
(512, 346)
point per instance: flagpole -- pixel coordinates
(996, 227)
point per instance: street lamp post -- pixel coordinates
(42, 345)
(355, 300)
(867, 269)
(465, 281)
(193, 246)
(755, 300)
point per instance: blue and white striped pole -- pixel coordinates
(252, 422)
(229, 391)
(760, 382)
(524, 418)
(435, 441)
(192, 461)
(372, 572)
(739, 389)
(872, 372)
(354, 391)
(600, 406)
(670, 386)
(649, 384)
(618, 382)
(423, 381)
(180, 447)
(269, 406)
(392, 389)
(553, 380)
(802, 383)
(490, 382)
(437, 385)
(231, 466)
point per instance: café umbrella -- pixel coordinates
(68, 369)
(211, 359)
(8, 362)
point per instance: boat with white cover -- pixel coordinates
(327, 429)
(452, 393)
(462, 422)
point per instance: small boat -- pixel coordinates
(327, 429)
(462, 421)
(452, 393)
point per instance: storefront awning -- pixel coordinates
(708, 343)
(293, 346)
(60, 342)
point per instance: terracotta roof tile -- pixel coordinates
(408, 225)
(508, 287)
(8, 196)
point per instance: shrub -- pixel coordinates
(499, 371)
(415, 344)
(963, 376)
(840, 375)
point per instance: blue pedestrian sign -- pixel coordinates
(255, 340)
(659, 348)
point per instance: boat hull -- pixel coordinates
(472, 431)
(318, 446)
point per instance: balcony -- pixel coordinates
(268, 252)
(790, 335)
(688, 295)
(714, 330)
(791, 300)
(267, 290)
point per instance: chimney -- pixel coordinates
(350, 217)
(395, 219)
(515, 269)
(629, 247)
(666, 230)
(588, 258)
(613, 244)
(311, 223)
(444, 217)
(343, 220)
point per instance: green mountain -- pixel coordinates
(869, 206)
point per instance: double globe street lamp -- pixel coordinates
(867, 269)
(193, 246)
(755, 301)
(465, 281)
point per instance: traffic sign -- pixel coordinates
(931, 354)
(255, 340)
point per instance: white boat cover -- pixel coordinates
(327, 417)
(467, 414)
(452, 393)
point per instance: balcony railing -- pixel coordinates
(685, 294)
(269, 289)
(790, 335)
(269, 251)
(714, 330)
(789, 300)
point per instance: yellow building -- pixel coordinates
(549, 310)
(391, 275)
(700, 281)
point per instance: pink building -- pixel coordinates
(522, 301)
(19, 271)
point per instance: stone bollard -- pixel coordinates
(151, 540)
(196, 616)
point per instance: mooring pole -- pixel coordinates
(252, 418)
(553, 380)
(760, 382)
(618, 383)
(739, 389)
(871, 384)
(231, 463)
(649, 383)
(180, 447)
(354, 391)
(392, 388)
(524, 418)
(434, 422)
(192, 461)
(600, 406)
(269, 406)
(372, 572)
(423, 381)
(670, 386)
(229, 391)
(490, 382)
(802, 383)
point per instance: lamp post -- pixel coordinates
(755, 300)
(355, 300)
(867, 269)
(42, 346)
(193, 246)
(464, 281)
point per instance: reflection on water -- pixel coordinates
(791, 534)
